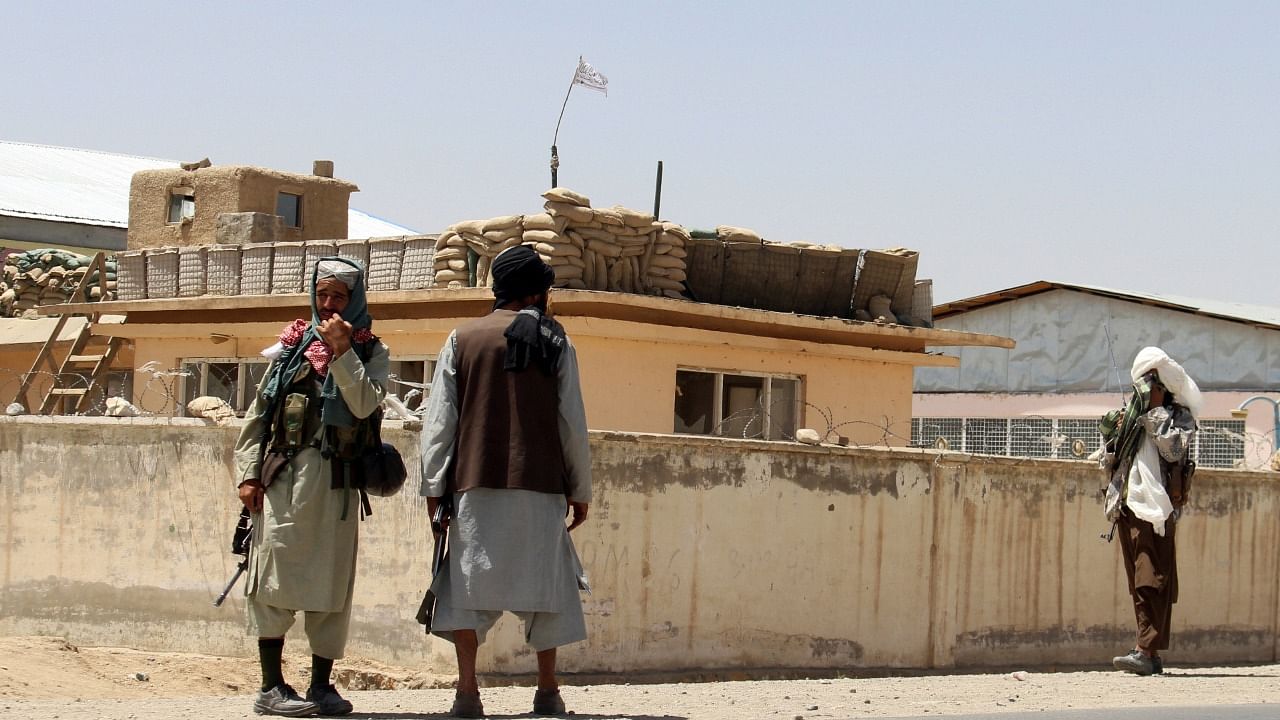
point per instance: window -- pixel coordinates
(231, 379)
(736, 405)
(119, 383)
(1220, 443)
(409, 379)
(289, 207)
(237, 380)
(182, 205)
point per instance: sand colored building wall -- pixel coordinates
(629, 377)
(703, 554)
(14, 363)
(628, 371)
(231, 189)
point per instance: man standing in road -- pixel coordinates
(319, 396)
(505, 437)
(1148, 458)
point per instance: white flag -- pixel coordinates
(590, 77)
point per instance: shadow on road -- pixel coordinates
(1173, 673)
(501, 716)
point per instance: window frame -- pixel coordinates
(245, 391)
(717, 400)
(297, 210)
(428, 372)
(183, 200)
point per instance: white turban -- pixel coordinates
(1172, 376)
(343, 272)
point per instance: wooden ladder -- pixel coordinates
(63, 395)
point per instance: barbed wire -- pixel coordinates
(165, 392)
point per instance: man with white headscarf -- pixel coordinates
(310, 417)
(1148, 458)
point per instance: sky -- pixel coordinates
(1133, 145)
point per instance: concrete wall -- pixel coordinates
(703, 554)
(231, 189)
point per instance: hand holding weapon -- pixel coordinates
(240, 543)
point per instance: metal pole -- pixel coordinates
(657, 193)
(555, 157)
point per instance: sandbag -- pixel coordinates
(608, 250)
(502, 222)
(565, 195)
(542, 236)
(475, 227)
(633, 218)
(729, 233)
(541, 221)
(497, 236)
(556, 249)
(444, 276)
(608, 217)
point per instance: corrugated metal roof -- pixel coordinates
(362, 225)
(68, 185)
(90, 187)
(1238, 312)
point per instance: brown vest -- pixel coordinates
(508, 422)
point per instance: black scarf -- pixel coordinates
(519, 273)
(533, 337)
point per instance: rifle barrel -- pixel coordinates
(227, 590)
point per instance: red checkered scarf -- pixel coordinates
(317, 353)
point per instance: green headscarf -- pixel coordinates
(334, 409)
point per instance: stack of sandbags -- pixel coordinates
(465, 250)
(46, 277)
(617, 248)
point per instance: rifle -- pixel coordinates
(240, 542)
(440, 533)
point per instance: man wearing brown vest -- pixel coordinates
(505, 436)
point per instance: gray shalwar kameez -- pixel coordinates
(304, 554)
(509, 549)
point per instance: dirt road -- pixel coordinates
(49, 678)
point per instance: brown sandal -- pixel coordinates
(467, 705)
(548, 702)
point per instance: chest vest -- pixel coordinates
(508, 422)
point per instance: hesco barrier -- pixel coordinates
(703, 554)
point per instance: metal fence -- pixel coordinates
(1219, 444)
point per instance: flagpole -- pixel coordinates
(555, 157)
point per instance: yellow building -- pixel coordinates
(648, 364)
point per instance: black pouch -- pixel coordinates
(382, 471)
(272, 463)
